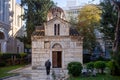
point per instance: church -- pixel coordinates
(56, 40)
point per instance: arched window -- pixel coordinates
(2, 35)
(56, 46)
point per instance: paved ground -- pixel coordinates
(28, 74)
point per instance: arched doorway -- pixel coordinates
(56, 56)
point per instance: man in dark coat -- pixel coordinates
(48, 65)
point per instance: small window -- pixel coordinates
(56, 29)
(46, 44)
(17, 49)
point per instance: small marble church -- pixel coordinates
(56, 40)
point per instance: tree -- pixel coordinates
(108, 19)
(88, 21)
(35, 14)
(110, 27)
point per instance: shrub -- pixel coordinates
(22, 55)
(74, 68)
(100, 65)
(6, 56)
(110, 65)
(114, 68)
(2, 64)
(90, 65)
(22, 60)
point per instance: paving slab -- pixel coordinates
(27, 73)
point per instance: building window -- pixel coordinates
(17, 49)
(56, 29)
(18, 22)
(0, 10)
(2, 35)
(3, 10)
(0, 47)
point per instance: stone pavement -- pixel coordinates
(29, 74)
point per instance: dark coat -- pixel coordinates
(48, 64)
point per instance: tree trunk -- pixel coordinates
(117, 36)
(116, 46)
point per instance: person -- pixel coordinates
(48, 65)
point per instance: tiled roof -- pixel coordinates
(38, 33)
(73, 32)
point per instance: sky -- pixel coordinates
(62, 3)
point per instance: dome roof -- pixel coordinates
(55, 12)
(56, 8)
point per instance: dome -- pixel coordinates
(55, 12)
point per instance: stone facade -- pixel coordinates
(57, 41)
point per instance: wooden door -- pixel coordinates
(59, 59)
(56, 59)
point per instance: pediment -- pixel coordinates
(57, 20)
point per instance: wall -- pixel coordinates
(71, 51)
(64, 28)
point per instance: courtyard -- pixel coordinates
(26, 73)
(80, 39)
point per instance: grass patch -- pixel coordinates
(4, 70)
(98, 77)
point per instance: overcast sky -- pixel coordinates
(62, 3)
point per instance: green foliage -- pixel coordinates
(114, 65)
(110, 27)
(88, 21)
(98, 77)
(90, 65)
(74, 68)
(4, 70)
(2, 64)
(35, 14)
(22, 55)
(100, 65)
(110, 65)
(109, 19)
(13, 59)
(101, 58)
(6, 56)
(114, 68)
(0, 54)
